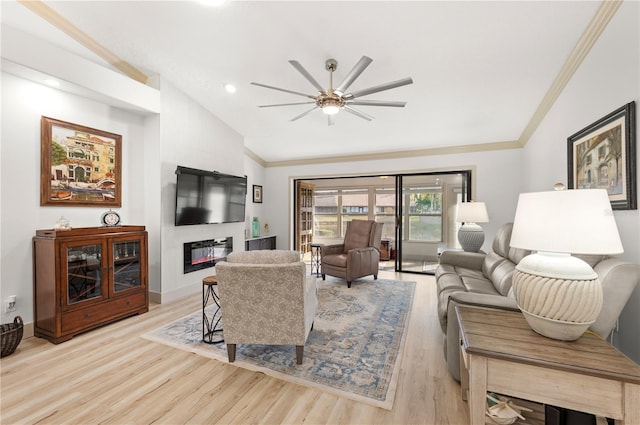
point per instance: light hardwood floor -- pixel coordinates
(113, 376)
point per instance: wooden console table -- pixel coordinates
(501, 353)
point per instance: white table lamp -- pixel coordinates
(470, 234)
(560, 295)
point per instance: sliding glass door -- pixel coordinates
(426, 205)
(418, 212)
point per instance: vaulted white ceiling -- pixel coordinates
(483, 71)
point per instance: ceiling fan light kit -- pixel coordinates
(331, 101)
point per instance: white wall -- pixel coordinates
(190, 136)
(256, 176)
(608, 79)
(23, 103)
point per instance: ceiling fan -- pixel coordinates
(333, 100)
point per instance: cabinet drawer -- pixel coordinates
(104, 312)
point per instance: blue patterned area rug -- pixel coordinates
(354, 349)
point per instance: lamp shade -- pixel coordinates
(567, 221)
(472, 212)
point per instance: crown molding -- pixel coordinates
(482, 147)
(251, 154)
(54, 18)
(603, 15)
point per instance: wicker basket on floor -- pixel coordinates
(11, 336)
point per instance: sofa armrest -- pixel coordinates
(618, 279)
(452, 340)
(469, 260)
(484, 300)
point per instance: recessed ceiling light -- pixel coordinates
(51, 82)
(230, 88)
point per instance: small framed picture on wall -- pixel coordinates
(257, 194)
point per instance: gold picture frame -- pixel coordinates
(80, 166)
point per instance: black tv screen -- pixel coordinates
(209, 197)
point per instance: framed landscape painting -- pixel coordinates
(603, 156)
(80, 166)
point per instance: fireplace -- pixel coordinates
(204, 254)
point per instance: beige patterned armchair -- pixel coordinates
(266, 298)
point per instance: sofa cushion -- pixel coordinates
(502, 277)
(451, 280)
(501, 241)
(498, 266)
(591, 260)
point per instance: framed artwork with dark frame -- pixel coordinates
(257, 194)
(80, 166)
(603, 156)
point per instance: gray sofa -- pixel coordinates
(485, 280)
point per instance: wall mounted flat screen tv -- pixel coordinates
(209, 197)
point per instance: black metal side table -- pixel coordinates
(211, 325)
(316, 258)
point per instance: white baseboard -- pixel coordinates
(167, 297)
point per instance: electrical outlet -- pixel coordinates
(10, 304)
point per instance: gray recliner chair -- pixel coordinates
(358, 256)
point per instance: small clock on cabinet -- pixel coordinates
(110, 218)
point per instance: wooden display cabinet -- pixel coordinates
(304, 217)
(86, 277)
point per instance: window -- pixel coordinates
(325, 215)
(424, 214)
(354, 205)
(385, 211)
(334, 208)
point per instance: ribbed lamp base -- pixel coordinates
(471, 237)
(559, 295)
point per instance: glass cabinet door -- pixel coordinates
(84, 272)
(126, 265)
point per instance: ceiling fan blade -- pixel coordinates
(357, 113)
(377, 103)
(362, 64)
(330, 120)
(306, 74)
(378, 88)
(297, 117)
(284, 104)
(284, 90)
